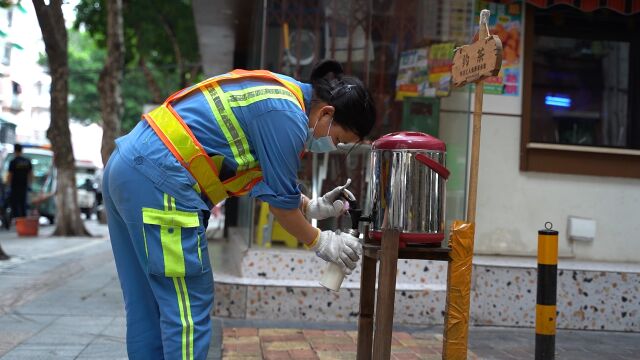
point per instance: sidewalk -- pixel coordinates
(252, 343)
(492, 343)
(60, 299)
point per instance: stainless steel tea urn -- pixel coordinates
(407, 187)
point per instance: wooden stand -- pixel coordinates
(378, 343)
(471, 64)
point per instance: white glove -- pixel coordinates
(329, 205)
(341, 249)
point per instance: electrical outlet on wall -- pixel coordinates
(581, 229)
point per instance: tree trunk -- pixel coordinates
(171, 36)
(156, 93)
(54, 34)
(111, 105)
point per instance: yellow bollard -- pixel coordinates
(546, 294)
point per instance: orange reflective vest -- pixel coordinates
(179, 139)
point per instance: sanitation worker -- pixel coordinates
(240, 133)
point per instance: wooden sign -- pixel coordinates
(472, 63)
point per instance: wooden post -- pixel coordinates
(471, 64)
(367, 304)
(386, 294)
(475, 151)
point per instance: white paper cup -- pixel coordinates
(332, 277)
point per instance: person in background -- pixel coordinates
(19, 180)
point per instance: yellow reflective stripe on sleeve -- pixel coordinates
(230, 126)
(237, 185)
(184, 306)
(170, 218)
(254, 94)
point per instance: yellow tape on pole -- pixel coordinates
(456, 326)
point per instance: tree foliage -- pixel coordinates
(85, 63)
(86, 60)
(160, 40)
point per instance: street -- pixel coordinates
(60, 299)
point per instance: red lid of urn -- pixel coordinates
(409, 140)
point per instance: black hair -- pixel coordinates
(17, 148)
(352, 101)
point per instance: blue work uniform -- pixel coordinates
(156, 214)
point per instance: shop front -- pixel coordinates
(562, 104)
(402, 50)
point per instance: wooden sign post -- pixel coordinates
(471, 64)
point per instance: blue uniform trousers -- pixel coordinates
(160, 249)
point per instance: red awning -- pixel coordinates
(626, 7)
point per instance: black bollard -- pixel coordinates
(546, 295)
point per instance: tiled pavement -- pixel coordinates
(252, 343)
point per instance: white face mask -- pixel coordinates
(321, 145)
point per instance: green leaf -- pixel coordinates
(21, 8)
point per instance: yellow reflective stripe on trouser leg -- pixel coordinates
(171, 222)
(185, 317)
(230, 126)
(248, 96)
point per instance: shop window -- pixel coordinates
(581, 112)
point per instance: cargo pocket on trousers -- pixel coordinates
(172, 242)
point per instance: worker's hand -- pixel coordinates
(330, 204)
(339, 248)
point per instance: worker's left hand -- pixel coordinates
(339, 248)
(330, 204)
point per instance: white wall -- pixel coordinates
(514, 205)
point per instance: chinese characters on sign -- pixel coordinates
(477, 61)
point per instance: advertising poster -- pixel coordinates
(506, 22)
(413, 74)
(440, 61)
